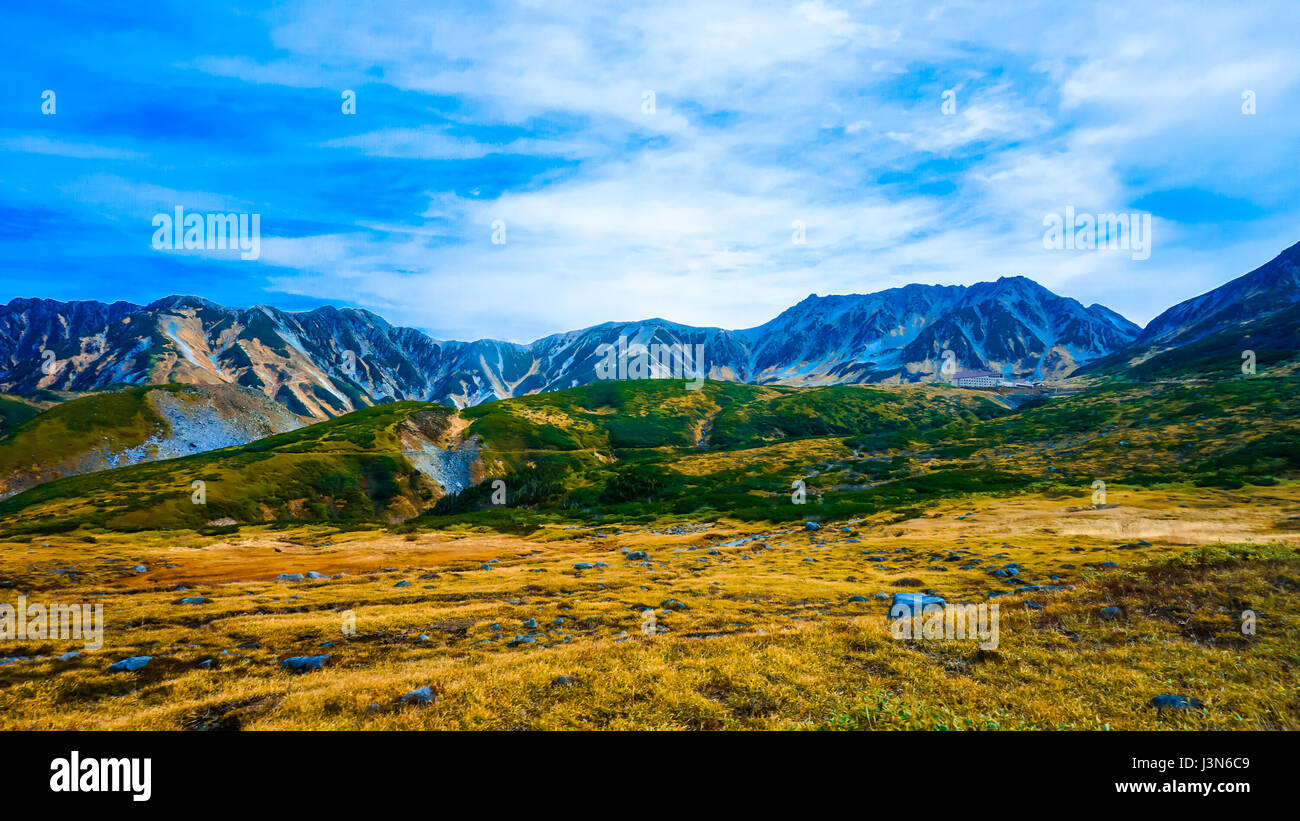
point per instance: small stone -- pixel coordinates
(419, 696)
(1163, 702)
(905, 604)
(304, 664)
(129, 665)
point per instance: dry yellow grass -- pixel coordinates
(767, 639)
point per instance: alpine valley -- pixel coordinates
(328, 361)
(318, 520)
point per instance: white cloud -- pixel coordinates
(766, 114)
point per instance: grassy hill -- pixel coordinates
(628, 445)
(632, 500)
(347, 469)
(14, 411)
(1225, 433)
(636, 451)
(139, 423)
(651, 447)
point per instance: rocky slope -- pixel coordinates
(131, 426)
(329, 361)
(1208, 335)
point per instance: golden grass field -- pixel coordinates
(767, 640)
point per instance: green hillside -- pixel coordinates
(102, 430)
(838, 410)
(651, 447)
(119, 419)
(347, 469)
(13, 412)
(641, 450)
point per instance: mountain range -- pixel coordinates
(321, 363)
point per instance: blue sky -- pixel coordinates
(534, 114)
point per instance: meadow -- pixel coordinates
(651, 568)
(548, 631)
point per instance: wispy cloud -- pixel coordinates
(707, 162)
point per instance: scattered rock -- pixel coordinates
(129, 665)
(1168, 702)
(1040, 588)
(905, 604)
(304, 664)
(419, 696)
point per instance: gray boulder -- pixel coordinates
(304, 664)
(905, 604)
(419, 696)
(129, 665)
